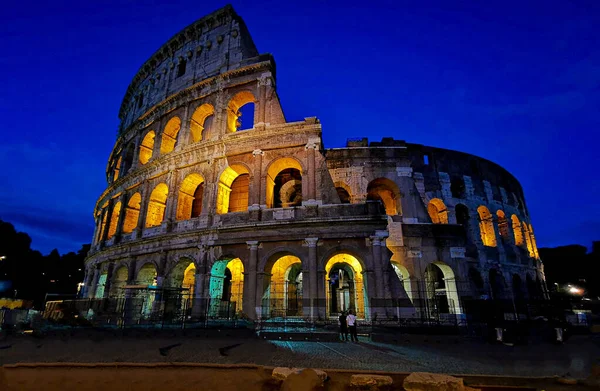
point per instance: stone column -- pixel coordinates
(171, 200)
(108, 283)
(128, 308)
(256, 195)
(311, 174)
(136, 152)
(312, 278)
(200, 300)
(108, 212)
(249, 301)
(119, 232)
(262, 100)
(94, 286)
(376, 247)
(145, 193)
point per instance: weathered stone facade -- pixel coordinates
(270, 218)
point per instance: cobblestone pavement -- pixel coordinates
(447, 354)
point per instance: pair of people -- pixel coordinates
(348, 323)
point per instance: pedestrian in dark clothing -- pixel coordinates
(351, 320)
(343, 327)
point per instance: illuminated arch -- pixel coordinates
(146, 276)
(386, 191)
(502, 225)
(198, 123)
(486, 227)
(533, 243)
(437, 211)
(120, 276)
(527, 235)
(183, 275)
(404, 277)
(114, 220)
(189, 203)
(226, 287)
(441, 289)
(233, 109)
(147, 147)
(132, 213)
(232, 195)
(157, 205)
(280, 192)
(517, 230)
(347, 284)
(285, 287)
(169, 135)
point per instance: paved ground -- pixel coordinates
(445, 354)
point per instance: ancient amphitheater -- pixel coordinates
(209, 218)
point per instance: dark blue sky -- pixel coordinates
(516, 83)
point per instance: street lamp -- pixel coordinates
(2, 257)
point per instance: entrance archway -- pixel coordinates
(146, 276)
(119, 281)
(285, 288)
(226, 288)
(440, 286)
(345, 288)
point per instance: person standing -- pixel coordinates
(351, 320)
(343, 327)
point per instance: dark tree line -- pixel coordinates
(27, 274)
(573, 264)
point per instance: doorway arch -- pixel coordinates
(285, 288)
(345, 287)
(226, 288)
(440, 287)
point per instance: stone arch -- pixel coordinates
(279, 172)
(119, 281)
(234, 184)
(387, 192)
(201, 122)
(146, 276)
(147, 147)
(128, 157)
(226, 287)
(517, 230)
(437, 211)
(284, 292)
(157, 205)
(169, 135)
(404, 277)
(132, 213)
(344, 192)
(502, 225)
(441, 289)
(345, 287)
(191, 193)
(114, 220)
(486, 227)
(182, 276)
(233, 109)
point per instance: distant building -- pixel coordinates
(254, 214)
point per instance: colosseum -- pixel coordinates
(214, 215)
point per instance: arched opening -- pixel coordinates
(442, 294)
(233, 190)
(284, 183)
(517, 231)
(101, 285)
(462, 215)
(189, 203)
(238, 118)
(128, 159)
(226, 288)
(119, 281)
(146, 276)
(169, 135)
(497, 285)
(343, 191)
(386, 192)
(404, 277)
(114, 220)
(147, 147)
(132, 213)
(437, 211)
(201, 122)
(157, 205)
(285, 287)
(502, 225)
(181, 281)
(486, 227)
(116, 170)
(345, 287)
(457, 187)
(527, 235)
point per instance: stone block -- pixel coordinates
(282, 373)
(370, 381)
(423, 381)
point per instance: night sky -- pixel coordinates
(516, 83)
